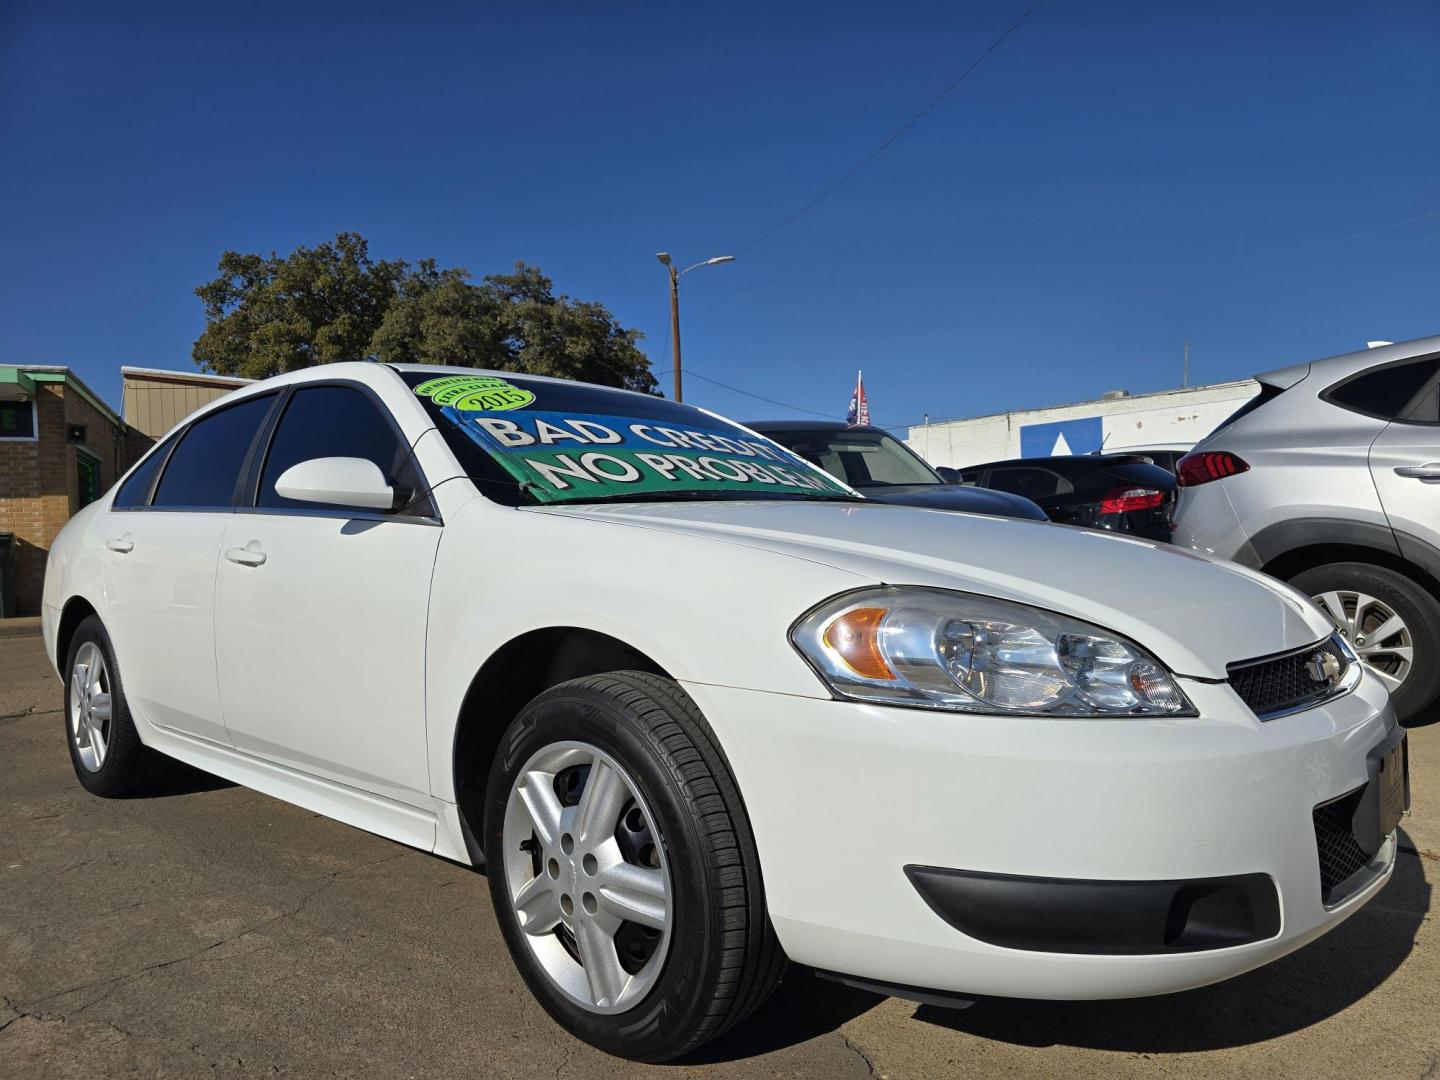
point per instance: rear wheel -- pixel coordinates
(105, 748)
(622, 868)
(1392, 623)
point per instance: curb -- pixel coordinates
(27, 626)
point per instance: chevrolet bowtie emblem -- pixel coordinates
(1323, 667)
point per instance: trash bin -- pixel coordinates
(8, 599)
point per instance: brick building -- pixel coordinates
(62, 447)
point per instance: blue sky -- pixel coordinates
(1263, 180)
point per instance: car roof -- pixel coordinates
(1337, 367)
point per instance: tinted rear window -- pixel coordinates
(136, 489)
(1384, 392)
(1033, 483)
(1152, 476)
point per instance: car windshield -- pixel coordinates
(859, 457)
(540, 441)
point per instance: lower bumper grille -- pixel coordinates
(1341, 857)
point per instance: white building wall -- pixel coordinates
(1171, 417)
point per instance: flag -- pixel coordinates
(859, 414)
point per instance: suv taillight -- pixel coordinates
(1200, 468)
(1123, 500)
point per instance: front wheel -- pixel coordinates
(622, 868)
(1390, 621)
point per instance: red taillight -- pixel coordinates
(1195, 469)
(1123, 500)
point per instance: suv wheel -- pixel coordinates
(622, 868)
(1390, 621)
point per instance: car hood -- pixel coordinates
(1196, 614)
(956, 497)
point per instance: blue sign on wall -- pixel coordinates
(1083, 435)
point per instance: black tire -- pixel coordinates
(129, 766)
(723, 960)
(1413, 603)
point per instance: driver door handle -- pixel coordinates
(122, 546)
(1429, 473)
(246, 556)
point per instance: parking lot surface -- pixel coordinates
(212, 931)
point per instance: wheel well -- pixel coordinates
(512, 676)
(77, 610)
(1289, 564)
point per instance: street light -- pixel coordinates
(675, 276)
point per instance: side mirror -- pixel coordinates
(337, 481)
(949, 475)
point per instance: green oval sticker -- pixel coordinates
(475, 393)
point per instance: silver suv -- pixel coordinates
(1330, 480)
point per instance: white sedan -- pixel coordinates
(698, 708)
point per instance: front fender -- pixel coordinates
(704, 610)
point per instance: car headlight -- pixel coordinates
(935, 649)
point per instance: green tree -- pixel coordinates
(333, 302)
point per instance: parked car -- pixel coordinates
(1330, 480)
(698, 707)
(883, 468)
(1122, 493)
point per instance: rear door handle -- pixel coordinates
(122, 546)
(250, 555)
(1428, 473)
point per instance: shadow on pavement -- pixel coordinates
(185, 779)
(1294, 992)
(804, 1008)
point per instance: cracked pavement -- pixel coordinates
(214, 931)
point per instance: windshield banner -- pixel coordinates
(559, 456)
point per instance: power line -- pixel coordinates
(1366, 233)
(757, 397)
(818, 199)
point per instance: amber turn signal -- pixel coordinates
(856, 637)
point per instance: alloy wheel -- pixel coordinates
(90, 706)
(1374, 630)
(586, 873)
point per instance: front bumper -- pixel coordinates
(843, 797)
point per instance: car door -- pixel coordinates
(164, 533)
(321, 611)
(1405, 462)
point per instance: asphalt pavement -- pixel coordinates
(211, 931)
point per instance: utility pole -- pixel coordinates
(1184, 375)
(675, 276)
(675, 327)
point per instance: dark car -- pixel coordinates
(1167, 457)
(1123, 493)
(883, 468)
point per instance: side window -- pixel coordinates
(337, 421)
(202, 472)
(1032, 483)
(136, 489)
(1386, 391)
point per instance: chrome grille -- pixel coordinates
(1276, 685)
